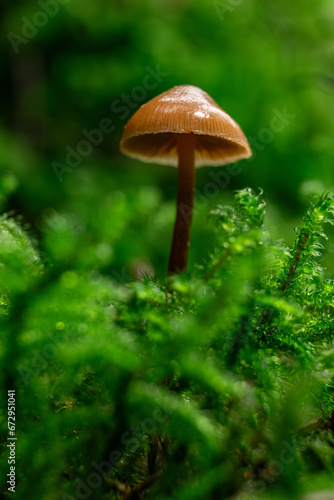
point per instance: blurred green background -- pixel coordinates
(67, 64)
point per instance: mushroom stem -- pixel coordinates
(178, 258)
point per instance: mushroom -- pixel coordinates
(185, 128)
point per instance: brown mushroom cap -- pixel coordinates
(151, 134)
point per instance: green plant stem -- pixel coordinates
(303, 240)
(218, 264)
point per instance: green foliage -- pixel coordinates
(221, 387)
(260, 60)
(230, 373)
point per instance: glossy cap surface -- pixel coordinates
(151, 133)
